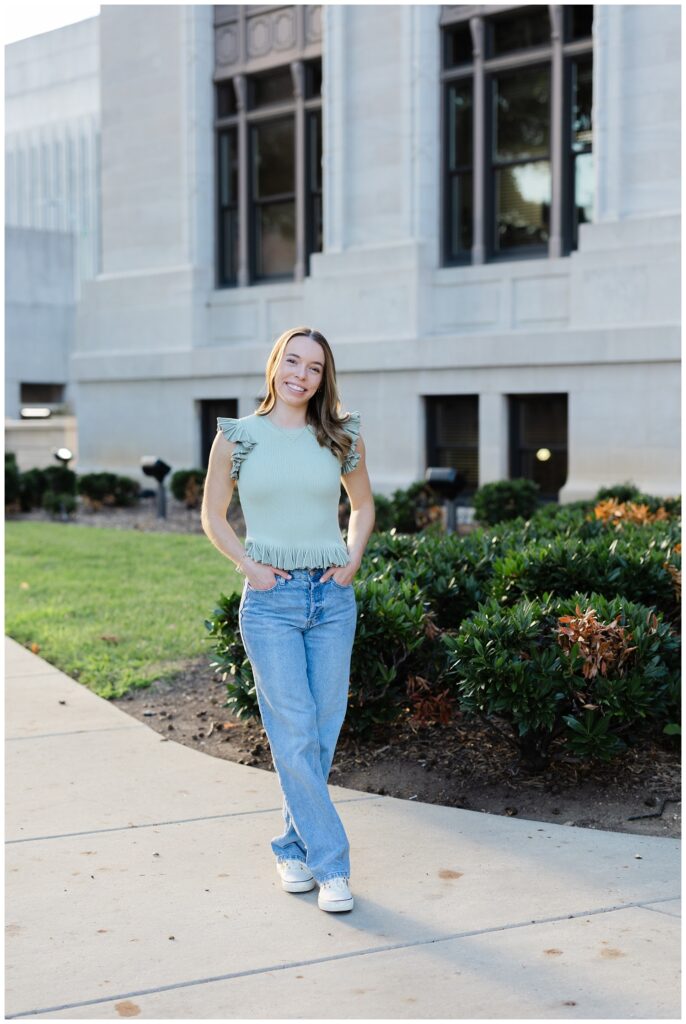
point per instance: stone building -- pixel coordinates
(479, 206)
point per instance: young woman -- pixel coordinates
(298, 612)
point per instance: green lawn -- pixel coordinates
(114, 609)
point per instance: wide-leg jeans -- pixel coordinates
(298, 636)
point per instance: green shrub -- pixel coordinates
(230, 658)
(390, 545)
(620, 492)
(416, 507)
(108, 489)
(12, 479)
(452, 572)
(628, 492)
(629, 565)
(383, 509)
(60, 479)
(32, 486)
(505, 499)
(391, 624)
(186, 485)
(54, 502)
(508, 662)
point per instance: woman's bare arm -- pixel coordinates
(217, 496)
(362, 517)
(363, 511)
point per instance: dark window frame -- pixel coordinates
(256, 203)
(305, 99)
(448, 175)
(312, 192)
(491, 168)
(431, 435)
(560, 51)
(224, 279)
(515, 447)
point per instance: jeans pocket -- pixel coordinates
(267, 590)
(340, 586)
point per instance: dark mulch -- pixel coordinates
(467, 763)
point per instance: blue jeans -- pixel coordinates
(298, 636)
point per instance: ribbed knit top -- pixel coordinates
(289, 488)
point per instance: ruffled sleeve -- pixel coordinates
(351, 427)
(235, 430)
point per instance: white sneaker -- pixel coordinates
(335, 895)
(295, 875)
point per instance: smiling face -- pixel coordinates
(300, 372)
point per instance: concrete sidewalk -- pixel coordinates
(140, 882)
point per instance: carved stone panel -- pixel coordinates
(313, 24)
(226, 45)
(268, 32)
(258, 36)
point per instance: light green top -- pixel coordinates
(290, 488)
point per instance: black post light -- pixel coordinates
(63, 455)
(157, 469)
(448, 482)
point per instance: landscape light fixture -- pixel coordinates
(63, 455)
(448, 482)
(157, 469)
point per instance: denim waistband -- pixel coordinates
(306, 574)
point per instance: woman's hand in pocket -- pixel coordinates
(263, 577)
(343, 575)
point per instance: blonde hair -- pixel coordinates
(324, 407)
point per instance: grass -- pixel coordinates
(114, 609)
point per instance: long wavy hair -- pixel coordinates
(324, 407)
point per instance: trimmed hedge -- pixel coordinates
(509, 662)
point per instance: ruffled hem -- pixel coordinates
(352, 427)
(235, 430)
(305, 557)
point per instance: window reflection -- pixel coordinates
(273, 158)
(271, 87)
(274, 197)
(275, 240)
(460, 163)
(461, 210)
(584, 188)
(582, 144)
(521, 102)
(520, 29)
(228, 206)
(522, 205)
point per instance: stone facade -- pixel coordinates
(156, 339)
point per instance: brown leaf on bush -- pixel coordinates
(428, 708)
(617, 512)
(605, 647)
(431, 629)
(676, 577)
